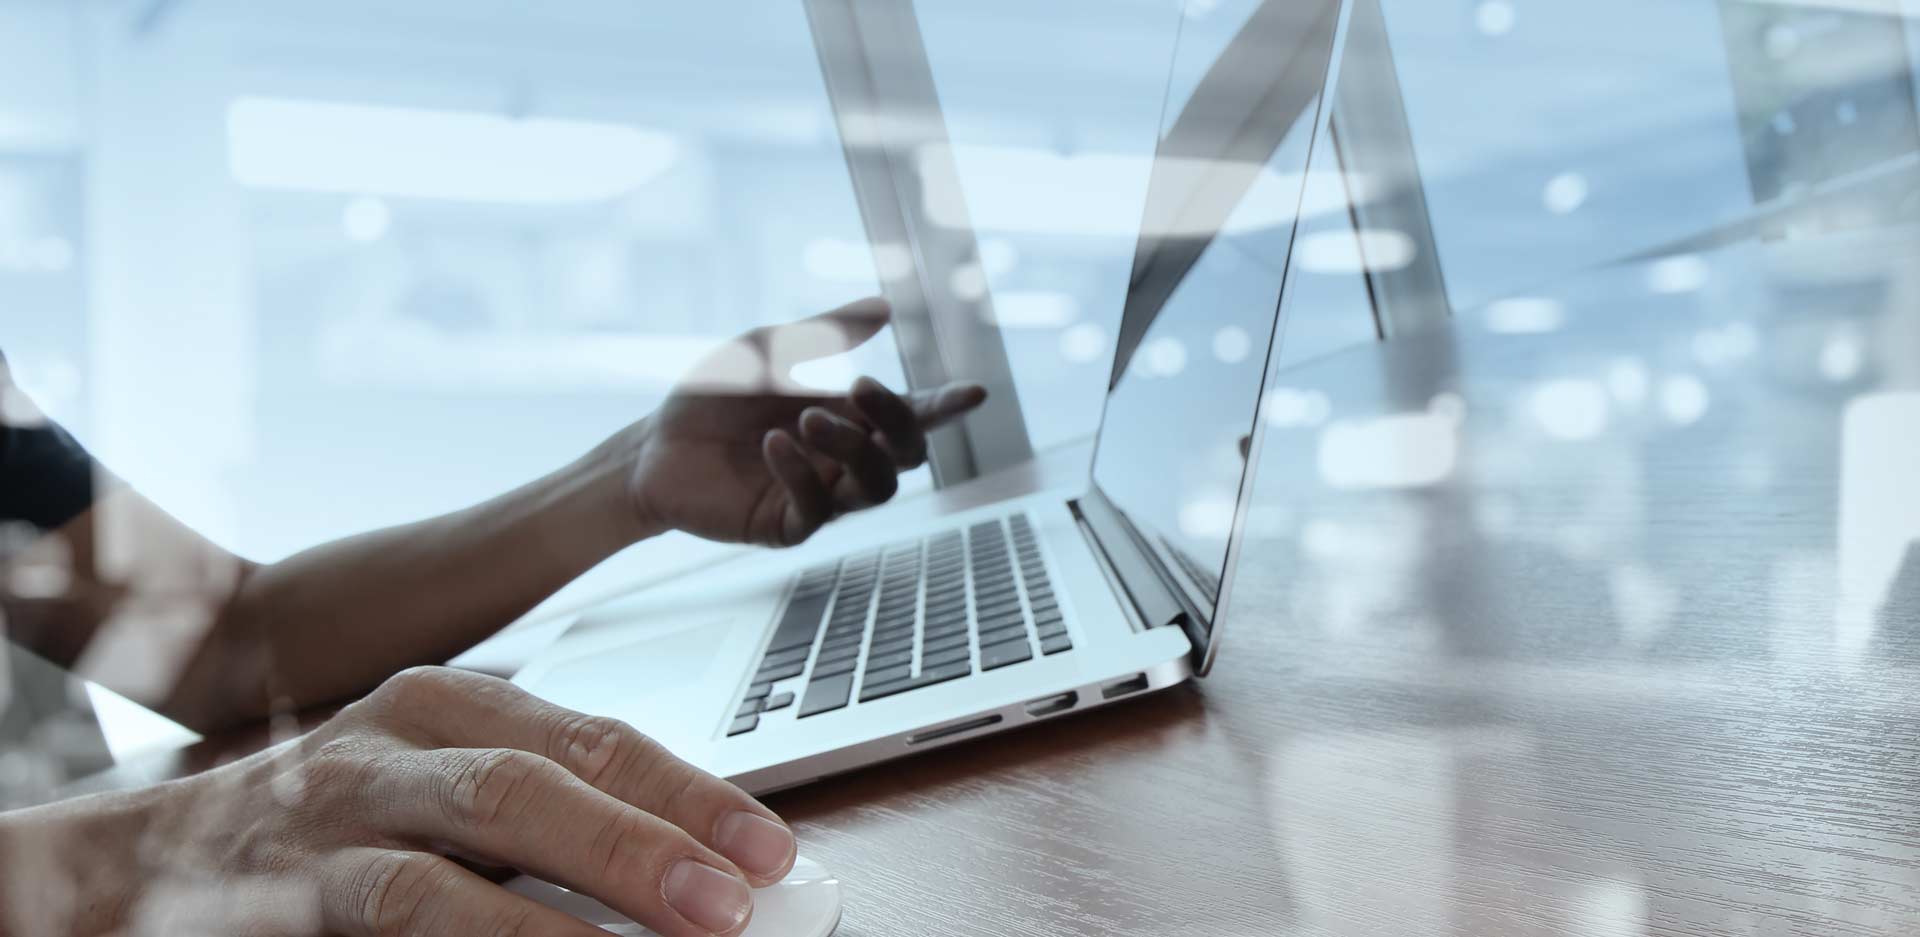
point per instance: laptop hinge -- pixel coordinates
(1137, 574)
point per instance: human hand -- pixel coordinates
(741, 452)
(371, 824)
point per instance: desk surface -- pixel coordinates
(1608, 629)
(1598, 613)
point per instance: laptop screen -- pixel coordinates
(1203, 307)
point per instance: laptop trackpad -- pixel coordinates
(648, 674)
(687, 652)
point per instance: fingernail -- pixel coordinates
(707, 896)
(754, 843)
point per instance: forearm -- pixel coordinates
(69, 868)
(336, 620)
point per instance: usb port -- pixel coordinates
(1049, 705)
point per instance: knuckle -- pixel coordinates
(671, 783)
(335, 767)
(599, 750)
(624, 852)
(411, 687)
(395, 889)
(495, 785)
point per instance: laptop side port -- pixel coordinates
(1052, 705)
(957, 728)
(1119, 688)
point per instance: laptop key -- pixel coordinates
(889, 659)
(743, 724)
(838, 648)
(928, 677)
(947, 656)
(870, 692)
(779, 672)
(750, 707)
(759, 689)
(778, 701)
(1000, 655)
(1001, 619)
(800, 622)
(941, 674)
(833, 668)
(882, 640)
(1055, 644)
(826, 695)
(1003, 634)
(942, 643)
(888, 674)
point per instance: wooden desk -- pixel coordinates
(1599, 676)
(1608, 629)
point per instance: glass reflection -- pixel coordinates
(1214, 251)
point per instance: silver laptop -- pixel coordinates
(792, 667)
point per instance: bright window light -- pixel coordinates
(321, 146)
(1040, 192)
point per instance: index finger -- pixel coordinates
(476, 711)
(508, 806)
(903, 422)
(935, 408)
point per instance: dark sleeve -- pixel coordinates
(46, 478)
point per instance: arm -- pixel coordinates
(737, 453)
(335, 620)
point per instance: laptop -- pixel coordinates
(792, 667)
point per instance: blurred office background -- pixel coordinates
(300, 268)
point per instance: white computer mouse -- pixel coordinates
(804, 904)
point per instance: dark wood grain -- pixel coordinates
(1600, 686)
(1593, 686)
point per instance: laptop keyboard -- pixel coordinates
(907, 616)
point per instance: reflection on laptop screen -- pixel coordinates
(1226, 190)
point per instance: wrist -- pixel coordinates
(88, 848)
(608, 492)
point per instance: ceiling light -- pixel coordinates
(321, 146)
